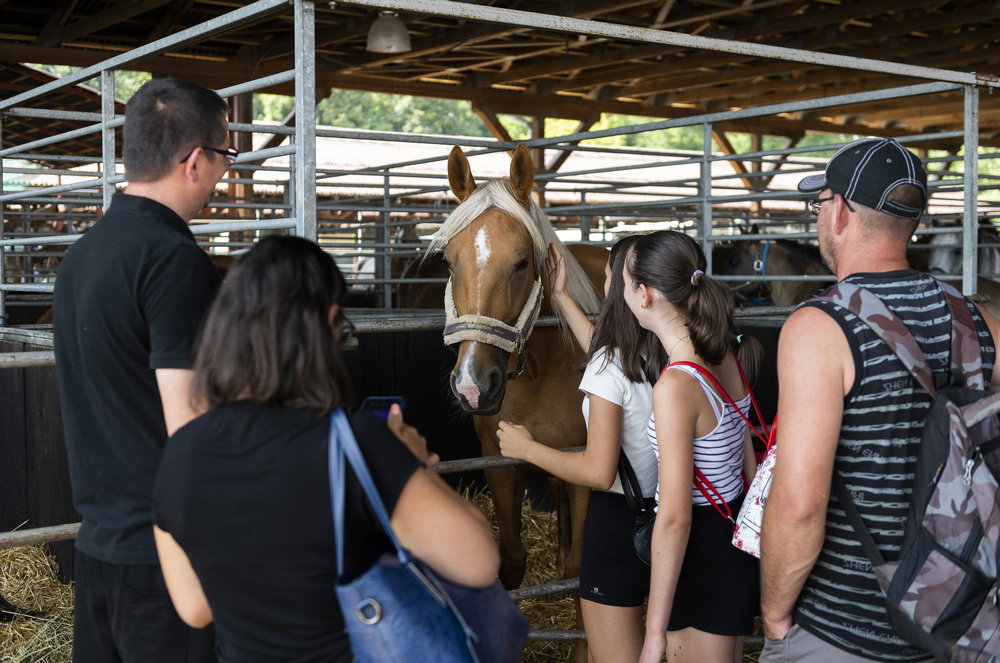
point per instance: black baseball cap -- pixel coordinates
(866, 171)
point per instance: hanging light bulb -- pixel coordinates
(388, 34)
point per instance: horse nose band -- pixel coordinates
(484, 329)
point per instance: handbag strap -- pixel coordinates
(344, 445)
(630, 485)
(701, 482)
(762, 436)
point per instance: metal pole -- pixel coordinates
(970, 181)
(107, 135)
(383, 263)
(304, 205)
(705, 184)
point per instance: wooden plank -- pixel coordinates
(50, 501)
(13, 450)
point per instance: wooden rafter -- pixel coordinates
(556, 163)
(532, 72)
(97, 22)
(492, 122)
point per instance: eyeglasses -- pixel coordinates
(815, 205)
(347, 331)
(229, 154)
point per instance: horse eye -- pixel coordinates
(521, 266)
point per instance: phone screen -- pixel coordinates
(379, 405)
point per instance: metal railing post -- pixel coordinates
(304, 201)
(107, 135)
(970, 182)
(705, 185)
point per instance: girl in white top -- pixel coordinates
(622, 363)
(703, 591)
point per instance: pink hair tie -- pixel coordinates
(694, 277)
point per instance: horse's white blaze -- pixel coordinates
(464, 383)
(482, 256)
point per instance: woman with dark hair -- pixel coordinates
(622, 363)
(703, 592)
(242, 496)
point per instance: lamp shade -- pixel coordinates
(388, 34)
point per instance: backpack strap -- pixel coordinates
(966, 357)
(860, 529)
(886, 325)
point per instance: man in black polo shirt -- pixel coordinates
(128, 302)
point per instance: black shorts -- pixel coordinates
(123, 613)
(719, 587)
(610, 571)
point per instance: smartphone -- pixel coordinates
(379, 405)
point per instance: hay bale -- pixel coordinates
(41, 630)
(539, 533)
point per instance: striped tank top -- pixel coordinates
(882, 423)
(719, 455)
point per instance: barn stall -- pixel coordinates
(377, 212)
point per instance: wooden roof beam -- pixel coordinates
(734, 74)
(58, 16)
(555, 164)
(817, 42)
(169, 20)
(493, 124)
(98, 22)
(738, 166)
(478, 33)
(812, 83)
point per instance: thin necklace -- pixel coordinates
(670, 352)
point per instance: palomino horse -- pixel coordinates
(494, 245)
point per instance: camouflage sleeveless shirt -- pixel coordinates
(884, 412)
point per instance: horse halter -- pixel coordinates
(748, 290)
(483, 329)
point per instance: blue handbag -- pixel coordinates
(399, 609)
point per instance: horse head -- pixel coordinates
(494, 291)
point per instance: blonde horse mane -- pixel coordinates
(499, 193)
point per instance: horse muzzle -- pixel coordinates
(479, 392)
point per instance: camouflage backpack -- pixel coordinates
(942, 592)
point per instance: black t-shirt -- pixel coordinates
(129, 299)
(245, 491)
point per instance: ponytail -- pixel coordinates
(674, 264)
(750, 354)
(709, 313)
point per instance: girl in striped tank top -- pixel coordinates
(703, 591)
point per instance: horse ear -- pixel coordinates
(754, 229)
(522, 174)
(460, 175)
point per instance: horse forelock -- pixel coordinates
(499, 193)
